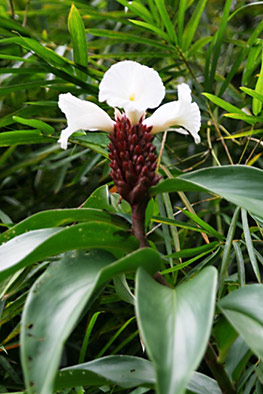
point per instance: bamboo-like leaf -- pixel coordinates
(192, 24)
(79, 41)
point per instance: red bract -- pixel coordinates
(133, 160)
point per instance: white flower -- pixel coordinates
(133, 87)
(177, 113)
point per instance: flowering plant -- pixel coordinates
(134, 88)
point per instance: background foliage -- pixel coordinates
(205, 215)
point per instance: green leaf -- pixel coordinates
(61, 294)
(249, 244)
(123, 371)
(253, 93)
(238, 184)
(246, 118)
(192, 24)
(257, 104)
(151, 27)
(176, 337)
(79, 40)
(216, 46)
(128, 37)
(202, 384)
(36, 124)
(60, 217)
(244, 310)
(37, 245)
(223, 104)
(166, 20)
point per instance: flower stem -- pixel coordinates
(218, 371)
(138, 230)
(138, 223)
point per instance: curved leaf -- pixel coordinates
(244, 310)
(61, 294)
(176, 336)
(59, 217)
(241, 185)
(37, 245)
(124, 371)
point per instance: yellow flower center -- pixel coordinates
(132, 97)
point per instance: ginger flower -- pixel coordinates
(134, 88)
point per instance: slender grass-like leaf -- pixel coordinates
(161, 6)
(190, 28)
(249, 244)
(212, 61)
(223, 104)
(79, 40)
(37, 124)
(23, 137)
(240, 263)
(227, 250)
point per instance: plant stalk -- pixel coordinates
(218, 371)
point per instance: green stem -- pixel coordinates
(218, 371)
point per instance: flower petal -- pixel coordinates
(177, 113)
(131, 86)
(81, 114)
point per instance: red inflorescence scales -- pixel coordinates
(133, 160)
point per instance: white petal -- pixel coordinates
(184, 93)
(177, 113)
(82, 114)
(131, 86)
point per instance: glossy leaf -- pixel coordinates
(61, 217)
(37, 245)
(61, 294)
(123, 371)
(21, 137)
(238, 184)
(244, 310)
(79, 40)
(176, 337)
(126, 372)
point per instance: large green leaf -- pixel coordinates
(125, 371)
(175, 325)
(121, 370)
(37, 245)
(60, 217)
(61, 294)
(241, 185)
(244, 310)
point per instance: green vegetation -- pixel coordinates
(78, 302)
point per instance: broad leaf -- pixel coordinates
(61, 294)
(37, 245)
(244, 310)
(175, 325)
(126, 372)
(241, 185)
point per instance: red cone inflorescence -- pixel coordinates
(133, 160)
(133, 163)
